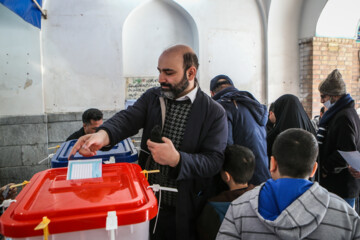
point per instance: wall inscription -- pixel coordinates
(136, 86)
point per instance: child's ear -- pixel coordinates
(314, 169)
(273, 164)
(225, 176)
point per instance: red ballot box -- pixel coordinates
(78, 209)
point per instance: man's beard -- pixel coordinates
(174, 91)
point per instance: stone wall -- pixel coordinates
(25, 141)
(318, 57)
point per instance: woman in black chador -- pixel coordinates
(289, 113)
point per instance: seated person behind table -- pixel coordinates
(238, 169)
(289, 206)
(92, 119)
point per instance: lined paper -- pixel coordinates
(86, 168)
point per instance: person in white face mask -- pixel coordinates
(339, 129)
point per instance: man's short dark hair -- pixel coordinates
(190, 59)
(92, 114)
(239, 163)
(295, 151)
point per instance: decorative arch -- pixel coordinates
(151, 28)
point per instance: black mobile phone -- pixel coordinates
(155, 134)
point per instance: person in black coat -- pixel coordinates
(190, 151)
(339, 129)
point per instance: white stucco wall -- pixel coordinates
(230, 42)
(21, 90)
(85, 61)
(145, 35)
(82, 54)
(89, 47)
(310, 14)
(339, 19)
(283, 35)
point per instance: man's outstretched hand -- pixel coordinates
(88, 145)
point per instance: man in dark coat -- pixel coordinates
(194, 132)
(339, 129)
(247, 120)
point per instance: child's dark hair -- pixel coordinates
(295, 151)
(239, 163)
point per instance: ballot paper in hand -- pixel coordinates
(352, 158)
(87, 168)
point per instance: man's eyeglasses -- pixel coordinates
(323, 96)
